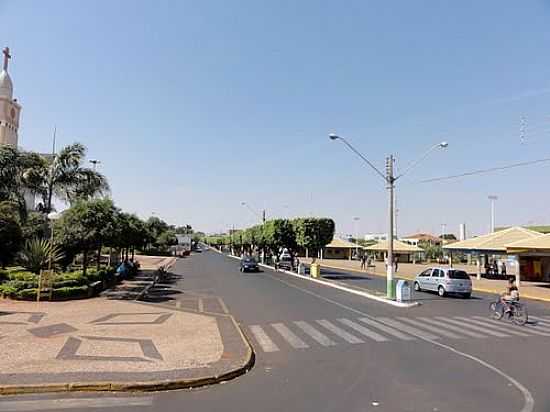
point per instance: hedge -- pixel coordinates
(74, 292)
(21, 284)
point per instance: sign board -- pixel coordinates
(45, 284)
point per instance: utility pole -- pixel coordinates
(492, 198)
(390, 180)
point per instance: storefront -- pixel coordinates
(493, 247)
(534, 258)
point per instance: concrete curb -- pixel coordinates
(150, 386)
(339, 287)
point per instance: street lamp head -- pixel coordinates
(243, 203)
(333, 136)
(443, 145)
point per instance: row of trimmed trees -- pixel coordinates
(300, 234)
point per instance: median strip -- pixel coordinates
(333, 285)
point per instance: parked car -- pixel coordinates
(444, 281)
(249, 264)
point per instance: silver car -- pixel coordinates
(443, 281)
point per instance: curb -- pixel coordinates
(340, 287)
(151, 386)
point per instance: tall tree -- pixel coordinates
(313, 233)
(86, 226)
(67, 178)
(11, 235)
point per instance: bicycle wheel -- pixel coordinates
(520, 315)
(496, 310)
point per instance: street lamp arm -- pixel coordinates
(256, 213)
(354, 150)
(412, 165)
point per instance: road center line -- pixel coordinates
(529, 402)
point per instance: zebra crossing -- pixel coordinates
(303, 335)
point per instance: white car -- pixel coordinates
(443, 281)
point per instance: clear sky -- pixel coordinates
(195, 106)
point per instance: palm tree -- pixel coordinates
(68, 180)
(61, 175)
(20, 172)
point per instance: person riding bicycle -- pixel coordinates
(510, 296)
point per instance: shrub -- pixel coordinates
(37, 253)
(7, 289)
(73, 292)
(22, 275)
(26, 294)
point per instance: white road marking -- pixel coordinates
(263, 340)
(531, 329)
(364, 331)
(406, 328)
(76, 403)
(453, 327)
(528, 401)
(541, 321)
(315, 334)
(474, 327)
(348, 337)
(502, 328)
(223, 305)
(431, 328)
(289, 336)
(387, 329)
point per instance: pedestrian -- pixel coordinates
(396, 266)
(503, 269)
(363, 262)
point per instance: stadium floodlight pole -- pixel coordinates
(390, 180)
(492, 198)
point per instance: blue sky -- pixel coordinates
(195, 106)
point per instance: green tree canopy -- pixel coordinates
(313, 233)
(86, 226)
(11, 235)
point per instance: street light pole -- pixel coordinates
(492, 198)
(356, 227)
(390, 180)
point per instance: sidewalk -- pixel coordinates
(528, 290)
(111, 345)
(132, 289)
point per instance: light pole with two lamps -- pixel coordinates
(390, 180)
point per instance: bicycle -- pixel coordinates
(517, 314)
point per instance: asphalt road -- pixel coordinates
(320, 349)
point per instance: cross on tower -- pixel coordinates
(7, 56)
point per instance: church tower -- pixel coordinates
(9, 108)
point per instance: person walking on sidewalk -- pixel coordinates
(363, 262)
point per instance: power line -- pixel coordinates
(483, 171)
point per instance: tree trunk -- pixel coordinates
(133, 252)
(127, 253)
(98, 264)
(84, 262)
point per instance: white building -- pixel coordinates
(376, 236)
(10, 110)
